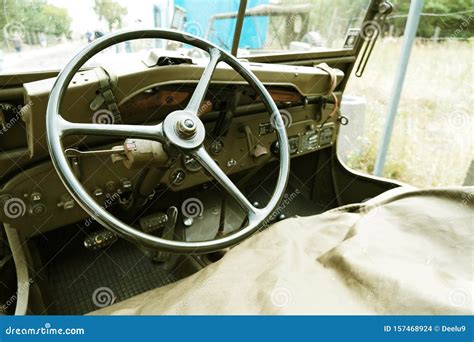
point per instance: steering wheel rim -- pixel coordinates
(57, 128)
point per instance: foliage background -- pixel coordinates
(35, 16)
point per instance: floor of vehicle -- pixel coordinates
(78, 280)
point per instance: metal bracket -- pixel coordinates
(106, 95)
(369, 32)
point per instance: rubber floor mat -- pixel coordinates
(79, 281)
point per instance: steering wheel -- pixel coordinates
(181, 128)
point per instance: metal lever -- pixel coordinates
(168, 232)
(73, 152)
(256, 150)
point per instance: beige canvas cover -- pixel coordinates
(407, 251)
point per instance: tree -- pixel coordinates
(111, 12)
(59, 21)
(34, 17)
(446, 16)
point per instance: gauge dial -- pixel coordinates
(217, 146)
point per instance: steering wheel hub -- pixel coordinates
(184, 129)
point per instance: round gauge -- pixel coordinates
(177, 177)
(191, 164)
(217, 146)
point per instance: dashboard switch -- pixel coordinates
(98, 192)
(231, 162)
(66, 202)
(126, 184)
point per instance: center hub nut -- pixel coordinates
(186, 128)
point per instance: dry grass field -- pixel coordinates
(432, 142)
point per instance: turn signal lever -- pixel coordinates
(134, 153)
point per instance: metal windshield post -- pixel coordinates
(408, 39)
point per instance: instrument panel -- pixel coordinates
(42, 203)
(42, 194)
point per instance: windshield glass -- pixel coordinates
(38, 35)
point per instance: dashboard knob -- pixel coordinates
(126, 184)
(275, 148)
(67, 202)
(177, 177)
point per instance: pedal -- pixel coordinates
(153, 222)
(100, 239)
(168, 232)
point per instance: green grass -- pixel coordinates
(432, 141)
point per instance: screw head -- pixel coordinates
(186, 128)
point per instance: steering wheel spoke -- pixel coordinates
(198, 96)
(154, 132)
(211, 166)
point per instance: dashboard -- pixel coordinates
(240, 135)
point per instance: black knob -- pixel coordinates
(275, 147)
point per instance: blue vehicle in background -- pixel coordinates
(266, 28)
(208, 21)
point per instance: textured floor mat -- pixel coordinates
(80, 280)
